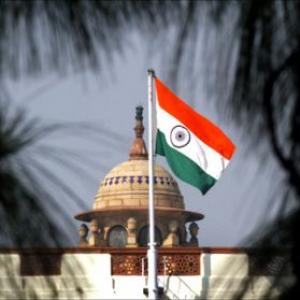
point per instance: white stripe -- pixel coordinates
(209, 160)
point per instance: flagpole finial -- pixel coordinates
(152, 72)
(138, 149)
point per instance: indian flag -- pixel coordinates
(195, 148)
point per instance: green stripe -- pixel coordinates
(182, 166)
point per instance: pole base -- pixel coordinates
(160, 291)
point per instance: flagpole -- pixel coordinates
(151, 253)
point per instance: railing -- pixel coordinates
(170, 262)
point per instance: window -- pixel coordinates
(143, 238)
(117, 237)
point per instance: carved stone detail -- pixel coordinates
(83, 232)
(172, 264)
(172, 239)
(95, 239)
(131, 233)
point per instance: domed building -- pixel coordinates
(111, 261)
(119, 217)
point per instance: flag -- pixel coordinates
(196, 149)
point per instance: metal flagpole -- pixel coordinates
(151, 253)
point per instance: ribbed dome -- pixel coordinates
(126, 186)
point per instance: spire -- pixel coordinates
(138, 149)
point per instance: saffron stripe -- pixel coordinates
(209, 160)
(203, 128)
(182, 166)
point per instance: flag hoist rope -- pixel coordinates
(151, 253)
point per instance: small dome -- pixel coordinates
(127, 185)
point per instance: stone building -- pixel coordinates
(110, 261)
(119, 217)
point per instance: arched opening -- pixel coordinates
(117, 237)
(143, 237)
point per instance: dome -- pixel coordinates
(119, 216)
(126, 186)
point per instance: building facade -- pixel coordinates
(110, 261)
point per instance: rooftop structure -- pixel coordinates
(111, 260)
(119, 217)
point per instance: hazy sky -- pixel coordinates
(233, 207)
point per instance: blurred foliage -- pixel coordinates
(25, 220)
(57, 35)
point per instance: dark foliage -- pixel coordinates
(57, 35)
(265, 96)
(25, 221)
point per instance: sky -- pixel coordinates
(237, 205)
